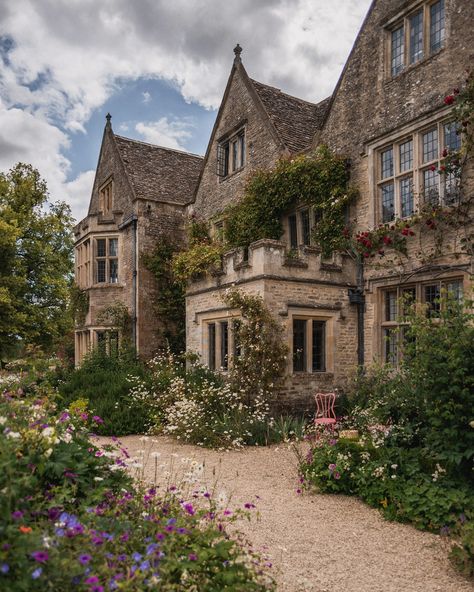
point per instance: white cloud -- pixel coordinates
(77, 193)
(146, 97)
(166, 133)
(68, 56)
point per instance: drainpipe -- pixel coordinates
(134, 221)
(356, 296)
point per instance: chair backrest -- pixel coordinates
(325, 404)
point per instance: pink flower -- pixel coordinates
(337, 475)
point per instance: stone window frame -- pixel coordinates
(106, 198)
(107, 258)
(447, 184)
(388, 301)
(403, 21)
(110, 338)
(218, 321)
(232, 152)
(83, 265)
(309, 317)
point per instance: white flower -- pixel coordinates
(47, 432)
(394, 467)
(48, 452)
(3, 420)
(67, 437)
(98, 479)
(14, 435)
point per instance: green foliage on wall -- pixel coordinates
(169, 300)
(203, 254)
(259, 368)
(117, 316)
(79, 304)
(320, 180)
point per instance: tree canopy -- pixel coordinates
(36, 264)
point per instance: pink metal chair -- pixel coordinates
(325, 414)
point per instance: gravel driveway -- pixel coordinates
(317, 543)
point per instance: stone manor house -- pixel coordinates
(387, 116)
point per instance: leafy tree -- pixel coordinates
(35, 262)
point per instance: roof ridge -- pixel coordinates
(160, 147)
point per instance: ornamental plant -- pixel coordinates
(73, 520)
(320, 180)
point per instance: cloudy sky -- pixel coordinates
(158, 66)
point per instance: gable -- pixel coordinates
(240, 109)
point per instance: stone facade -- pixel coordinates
(381, 102)
(150, 189)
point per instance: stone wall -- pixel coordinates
(290, 288)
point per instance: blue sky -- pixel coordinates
(158, 67)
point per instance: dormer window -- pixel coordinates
(106, 199)
(419, 34)
(231, 154)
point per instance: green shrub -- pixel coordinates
(105, 382)
(462, 552)
(71, 517)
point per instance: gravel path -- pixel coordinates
(317, 543)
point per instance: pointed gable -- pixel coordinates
(157, 173)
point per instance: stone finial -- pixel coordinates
(108, 117)
(237, 52)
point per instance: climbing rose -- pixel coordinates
(449, 100)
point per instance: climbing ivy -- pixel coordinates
(169, 303)
(79, 304)
(320, 180)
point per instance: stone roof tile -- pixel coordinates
(157, 173)
(295, 120)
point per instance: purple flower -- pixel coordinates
(337, 475)
(84, 559)
(192, 557)
(97, 419)
(136, 556)
(249, 506)
(145, 565)
(181, 530)
(17, 515)
(4, 568)
(40, 556)
(64, 417)
(97, 589)
(36, 574)
(92, 580)
(189, 509)
(332, 467)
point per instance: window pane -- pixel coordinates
(319, 346)
(437, 29)
(113, 271)
(416, 37)
(235, 163)
(452, 136)
(398, 50)
(101, 245)
(226, 159)
(391, 305)
(431, 186)
(451, 189)
(236, 324)
(113, 343)
(406, 196)
(242, 150)
(101, 270)
(305, 227)
(406, 156)
(455, 290)
(432, 294)
(293, 229)
(113, 247)
(430, 145)
(299, 345)
(390, 345)
(225, 345)
(388, 205)
(408, 299)
(212, 346)
(101, 341)
(387, 163)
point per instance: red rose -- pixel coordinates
(387, 240)
(449, 100)
(433, 167)
(445, 152)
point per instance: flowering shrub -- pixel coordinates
(72, 520)
(196, 405)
